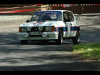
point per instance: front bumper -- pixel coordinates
(50, 36)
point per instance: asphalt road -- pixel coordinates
(39, 56)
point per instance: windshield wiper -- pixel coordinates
(40, 20)
(50, 19)
(47, 19)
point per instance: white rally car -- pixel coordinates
(49, 25)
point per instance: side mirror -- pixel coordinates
(27, 21)
(78, 17)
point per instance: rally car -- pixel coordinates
(55, 25)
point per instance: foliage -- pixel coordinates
(91, 51)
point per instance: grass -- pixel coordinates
(91, 51)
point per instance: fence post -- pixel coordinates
(82, 9)
(79, 11)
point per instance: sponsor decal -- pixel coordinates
(37, 23)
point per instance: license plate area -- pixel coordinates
(34, 33)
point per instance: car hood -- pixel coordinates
(39, 23)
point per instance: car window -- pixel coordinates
(71, 16)
(37, 17)
(47, 15)
(60, 18)
(53, 16)
(65, 17)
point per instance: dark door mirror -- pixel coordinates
(27, 21)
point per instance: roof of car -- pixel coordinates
(56, 10)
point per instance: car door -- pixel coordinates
(72, 23)
(68, 24)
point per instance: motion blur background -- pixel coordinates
(29, 9)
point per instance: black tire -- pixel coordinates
(24, 41)
(60, 38)
(76, 39)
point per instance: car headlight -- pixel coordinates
(40, 28)
(49, 29)
(29, 28)
(23, 29)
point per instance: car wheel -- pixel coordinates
(60, 38)
(76, 39)
(24, 41)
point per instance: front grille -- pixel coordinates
(36, 29)
(35, 35)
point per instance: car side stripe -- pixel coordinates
(73, 28)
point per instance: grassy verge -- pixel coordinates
(91, 51)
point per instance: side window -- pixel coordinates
(71, 16)
(65, 17)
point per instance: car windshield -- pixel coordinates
(47, 15)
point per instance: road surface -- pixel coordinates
(39, 56)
